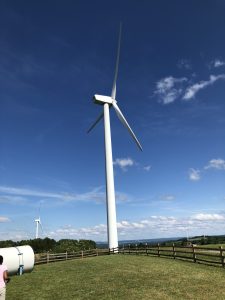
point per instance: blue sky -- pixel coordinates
(54, 57)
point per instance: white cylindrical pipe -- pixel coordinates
(18, 259)
(110, 190)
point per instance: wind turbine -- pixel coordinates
(38, 223)
(108, 102)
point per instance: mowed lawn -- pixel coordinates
(119, 277)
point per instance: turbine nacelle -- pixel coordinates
(99, 99)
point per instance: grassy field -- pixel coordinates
(120, 277)
(213, 246)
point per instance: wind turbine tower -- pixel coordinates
(107, 102)
(38, 222)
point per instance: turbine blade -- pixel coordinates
(113, 94)
(125, 123)
(98, 119)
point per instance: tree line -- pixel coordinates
(197, 240)
(47, 244)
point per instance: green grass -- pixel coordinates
(120, 277)
(213, 246)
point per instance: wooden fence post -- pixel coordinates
(129, 248)
(158, 250)
(221, 255)
(146, 248)
(174, 251)
(66, 255)
(82, 254)
(136, 249)
(194, 254)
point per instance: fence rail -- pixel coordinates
(48, 257)
(196, 254)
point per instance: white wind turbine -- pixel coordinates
(38, 223)
(108, 102)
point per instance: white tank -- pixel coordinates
(18, 259)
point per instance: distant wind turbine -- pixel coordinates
(38, 223)
(108, 102)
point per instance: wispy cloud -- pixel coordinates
(208, 217)
(12, 199)
(27, 192)
(126, 229)
(195, 88)
(4, 219)
(95, 232)
(213, 164)
(217, 63)
(147, 168)
(194, 175)
(167, 197)
(218, 164)
(20, 195)
(124, 163)
(169, 89)
(154, 226)
(184, 64)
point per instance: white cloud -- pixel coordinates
(218, 63)
(95, 232)
(167, 197)
(137, 225)
(14, 195)
(194, 175)
(156, 226)
(152, 227)
(124, 163)
(218, 164)
(208, 217)
(169, 89)
(123, 224)
(126, 229)
(27, 192)
(147, 168)
(213, 164)
(195, 88)
(4, 219)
